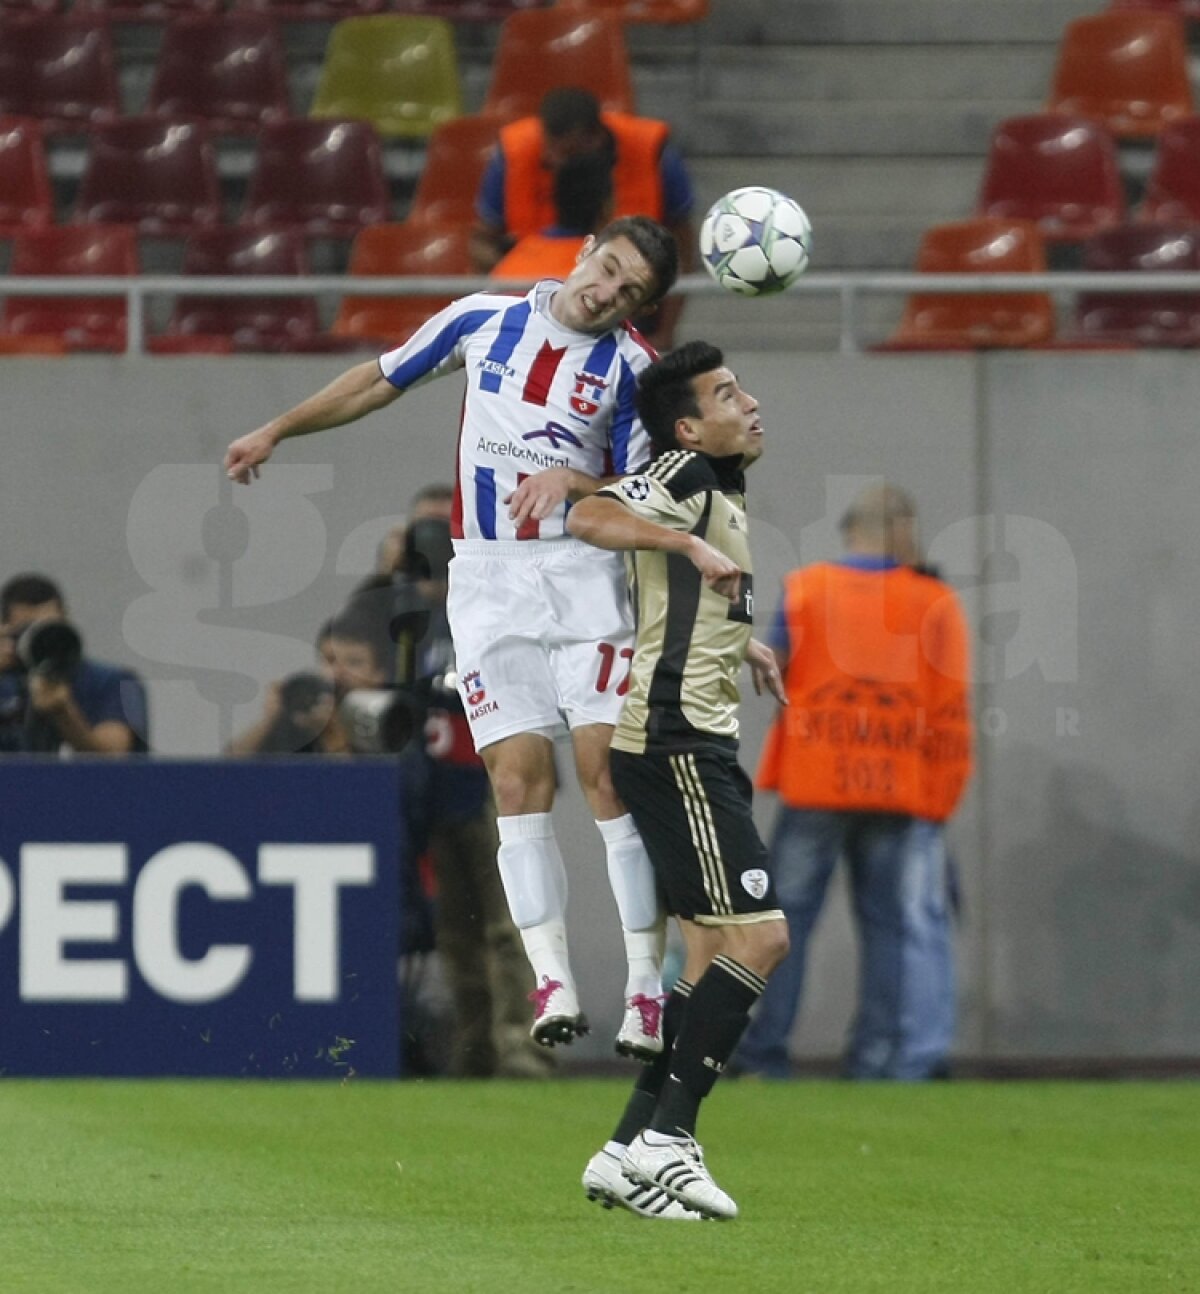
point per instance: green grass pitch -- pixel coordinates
(172, 1187)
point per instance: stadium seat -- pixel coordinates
(655, 11)
(26, 198)
(961, 322)
(1062, 172)
(231, 71)
(1172, 192)
(455, 159)
(398, 72)
(80, 323)
(545, 48)
(37, 344)
(324, 177)
(312, 10)
(156, 174)
(245, 323)
(1126, 68)
(148, 10)
(1141, 318)
(414, 247)
(60, 69)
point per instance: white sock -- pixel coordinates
(643, 919)
(535, 884)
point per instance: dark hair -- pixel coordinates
(655, 244)
(28, 591)
(666, 391)
(365, 619)
(582, 191)
(568, 109)
(437, 492)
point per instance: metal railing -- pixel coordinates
(850, 289)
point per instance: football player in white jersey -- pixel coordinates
(541, 622)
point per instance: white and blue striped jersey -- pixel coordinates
(538, 395)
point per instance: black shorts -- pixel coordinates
(692, 810)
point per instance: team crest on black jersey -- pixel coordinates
(589, 391)
(636, 488)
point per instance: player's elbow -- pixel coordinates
(581, 521)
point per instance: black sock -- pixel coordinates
(718, 1012)
(644, 1097)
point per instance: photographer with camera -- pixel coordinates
(450, 810)
(54, 699)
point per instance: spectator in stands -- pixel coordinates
(52, 697)
(869, 759)
(516, 195)
(582, 204)
(450, 812)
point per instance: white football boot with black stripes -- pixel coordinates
(604, 1182)
(677, 1166)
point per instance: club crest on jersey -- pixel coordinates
(472, 686)
(636, 488)
(754, 882)
(556, 434)
(589, 391)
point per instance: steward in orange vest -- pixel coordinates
(877, 682)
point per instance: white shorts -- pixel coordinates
(543, 635)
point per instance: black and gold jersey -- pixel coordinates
(691, 641)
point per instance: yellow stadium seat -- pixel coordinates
(398, 72)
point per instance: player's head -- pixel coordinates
(688, 399)
(571, 125)
(629, 265)
(882, 520)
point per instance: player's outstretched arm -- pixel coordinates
(357, 392)
(608, 524)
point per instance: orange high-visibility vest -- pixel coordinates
(877, 683)
(529, 186)
(539, 256)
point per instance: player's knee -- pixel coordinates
(518, 790)
(768, 944)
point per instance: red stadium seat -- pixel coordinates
(38, 344)
(26, 198)
(80, 323)
(312, 10)
(325, 177)
(545, 48)
(1172, 192)
(455, 160)
(411, 248)
(1141, 318)
(655, 11)
(60, 69)
(231, 71)
(1062, 172)
(158, 175)
(961, 322)
(245, 323)
(1125, 68)
(148, 10)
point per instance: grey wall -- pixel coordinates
(1057, 493)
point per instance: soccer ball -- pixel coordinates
(755, 241)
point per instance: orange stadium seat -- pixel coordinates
(1125, 68)
(80, 323)
(455, 159)
(60, 69)
(244, 323)
(397, 71)
(324, 177)
(414, 247)
(148, 10)
(230, 70)
(1062, 172)
(312, 10)
(1141, 318)
(655, 11)
(545, 48)
(1172, 192)
(156, 174)
(961, 322)
(26, 198)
